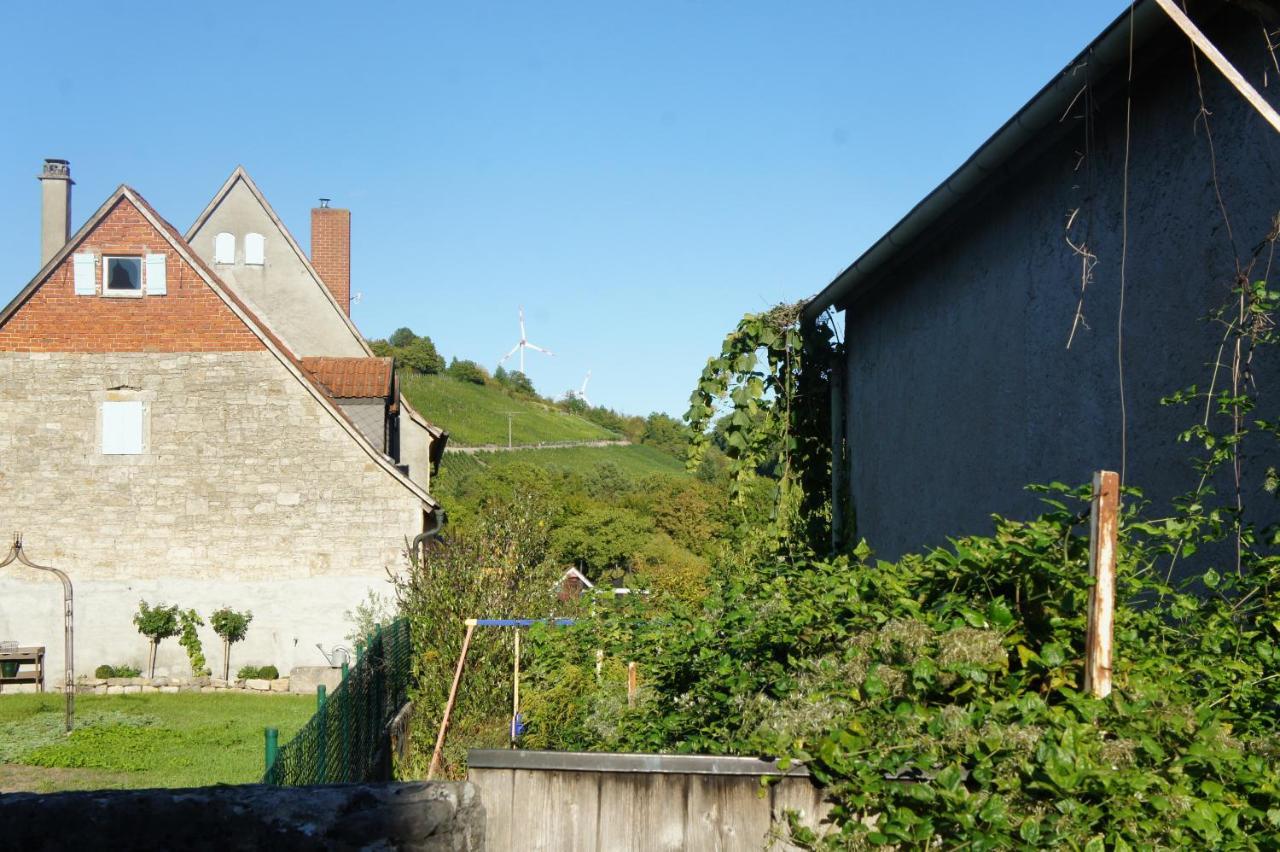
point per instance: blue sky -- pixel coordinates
(637, 175)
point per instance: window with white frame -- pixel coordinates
(255, 249)
(121, 276)
(122, 427)
(224, 248)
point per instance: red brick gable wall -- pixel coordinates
(190, 318)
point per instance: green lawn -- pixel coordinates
(475, 414)
(141, 740)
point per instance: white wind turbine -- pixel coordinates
(582, 392)
(523, 345)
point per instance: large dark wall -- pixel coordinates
(961, 387)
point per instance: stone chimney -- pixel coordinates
(55, 207)
(331, 250)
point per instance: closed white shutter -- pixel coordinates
(122, 428)
(84, 277)
(255, 249)
(157, 283)
(224, 248)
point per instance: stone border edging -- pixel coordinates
(127, 685)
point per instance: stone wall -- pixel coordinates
(424, 816)
(249, 495)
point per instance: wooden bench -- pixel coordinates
(32, 656)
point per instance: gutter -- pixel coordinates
(1107, 52)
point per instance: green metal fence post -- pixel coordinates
(344, 720)
(322, 737)
(272, 749)
(379, 661)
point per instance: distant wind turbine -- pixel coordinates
(581, 393)
(523, 345)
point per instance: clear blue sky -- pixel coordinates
(637, 175)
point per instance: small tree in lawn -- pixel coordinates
(156, 623)
(232, 627)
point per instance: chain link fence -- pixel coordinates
(344, 741)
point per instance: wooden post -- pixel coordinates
(448, 707)
(632, 684)
(1103, 529)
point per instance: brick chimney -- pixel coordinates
(55, 207)
(331, 250)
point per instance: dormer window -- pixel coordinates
(122, 276)
(224, 248)
(255, 249)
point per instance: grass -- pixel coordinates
(475, 415)
(141, 740)
(636, 461)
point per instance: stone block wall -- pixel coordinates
(249, 494)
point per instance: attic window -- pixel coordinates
(122, 276)
(224, 248)
(255, 249)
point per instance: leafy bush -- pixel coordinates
(104, 671)
(373, 611)
(232, 627)
(497, 566)
(416, 353)
(156, 623)
(258, 673)
(961, 666)
(514, 381)
(468, 371)
(190, 640)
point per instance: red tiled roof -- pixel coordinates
(352, 378)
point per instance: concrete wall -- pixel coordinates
(577, 801)
(425, 817)
(415, 448)
(282, 291)
(249, 495)
(961, 389)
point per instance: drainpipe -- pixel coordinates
(438, 519)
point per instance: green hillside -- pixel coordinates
(477, 414)
(635, 461)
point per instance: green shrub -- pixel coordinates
(961, 665)
(156, 623)
(105, 671)
(190, 640)
(232, 627)
(258, 672)
(468, 371)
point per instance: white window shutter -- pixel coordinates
(255, 249)
(83, 264)
(156, 282)
(122, 428)
(224, 248)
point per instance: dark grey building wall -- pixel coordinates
(961, 389)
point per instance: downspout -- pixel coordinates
(438, 518)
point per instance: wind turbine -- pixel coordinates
(523, 345)
(582, 394)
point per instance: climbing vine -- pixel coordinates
(768, 393)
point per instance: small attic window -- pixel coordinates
(224, 248)
(122, 276)
(255, 249)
